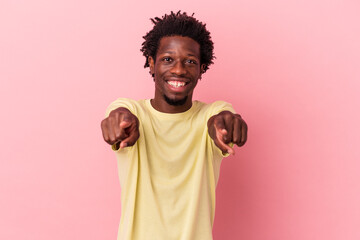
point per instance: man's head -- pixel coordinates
(178, 51)
(179, 24)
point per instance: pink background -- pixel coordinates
(291, 68)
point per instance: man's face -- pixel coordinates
(177, 70)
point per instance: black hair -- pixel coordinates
(179, 24)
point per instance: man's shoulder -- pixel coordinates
(202, 109)
(126, 100)
(216, 105)
(131, 104)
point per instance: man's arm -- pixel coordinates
(121, 128)
(227, 127)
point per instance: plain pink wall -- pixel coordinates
(291, 68)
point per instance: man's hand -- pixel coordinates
(225, 128)
(120, 128)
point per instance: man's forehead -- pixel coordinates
(174, 44)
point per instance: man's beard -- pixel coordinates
(175, 102)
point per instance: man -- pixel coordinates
(169, 148)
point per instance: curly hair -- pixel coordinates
(182, 25)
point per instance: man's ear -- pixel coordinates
(202, 70)
(151, 65)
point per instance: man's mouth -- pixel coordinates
(176, 84)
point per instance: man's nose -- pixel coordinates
(178, 68)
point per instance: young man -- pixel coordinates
(169, 148)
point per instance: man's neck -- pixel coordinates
(163, 106)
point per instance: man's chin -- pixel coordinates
(175, 102)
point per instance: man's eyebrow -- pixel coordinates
(170, 52)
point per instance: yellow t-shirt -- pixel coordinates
(168, 178)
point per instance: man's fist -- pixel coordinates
(225, 128)
(120, 128)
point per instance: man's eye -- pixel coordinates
(167, 59)
(191, 61)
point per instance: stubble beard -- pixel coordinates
(173, 102)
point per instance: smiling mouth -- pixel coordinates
(176, 84)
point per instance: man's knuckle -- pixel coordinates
(111, 120)
(104, 123)
(226, 113)
(114, 113)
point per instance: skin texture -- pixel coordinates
(177, 60)
(225, 128)
(120, 128)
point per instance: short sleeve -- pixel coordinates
(122, 102)
(219, 106)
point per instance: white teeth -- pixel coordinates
(176, 83)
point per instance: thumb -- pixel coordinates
(220, 135)
(125, 124)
